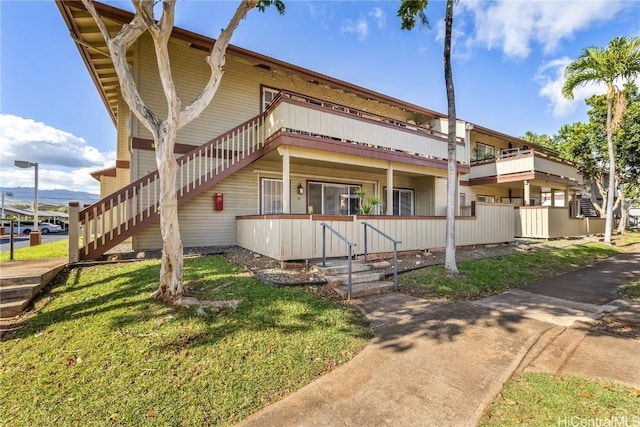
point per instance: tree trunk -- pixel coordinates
(165, 132)
(608, 224)
(170, 288)
(624, 213)
(452, 176)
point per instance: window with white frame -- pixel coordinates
(463, 199)
(403, 201)
(271, 196)
(485, 198)
(333, 199)
(268, 95)
(484, 151)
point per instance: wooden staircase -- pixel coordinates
(367, 278)
(124, 213)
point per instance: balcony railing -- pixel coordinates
(292, 237)
(306, 115)
(516, 160)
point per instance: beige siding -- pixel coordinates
(442, 126)
(327, 122)
(528, 163)
(440, 196)
(108, 185)
(301, 238)
(239, 95)
(545, 222)
(200, 225)
(497, 143)
(424, 195)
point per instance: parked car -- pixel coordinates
(26, 227)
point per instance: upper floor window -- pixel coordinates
(484, 151)
(268, 95)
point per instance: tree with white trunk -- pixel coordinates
(165, 130)
(410, 11)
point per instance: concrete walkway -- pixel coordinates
(443, 363)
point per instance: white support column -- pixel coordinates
(286, 182)
(389, 190)
(527, 193)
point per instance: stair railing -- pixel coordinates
(117, 216)
(395, 250)
(326, 226)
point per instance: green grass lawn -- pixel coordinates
(550, 400)
(101, 352)
(495, 275)
(57, 249)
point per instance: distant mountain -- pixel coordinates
(22, 195)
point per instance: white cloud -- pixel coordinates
(550, 77)
(360, 28)
(64, 160)
(513, 26)
(379, 15)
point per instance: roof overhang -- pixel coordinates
(95, 55)
(111, 172)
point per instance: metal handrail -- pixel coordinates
(324, 256)
(395, 250)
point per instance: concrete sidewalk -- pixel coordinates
(443, 363)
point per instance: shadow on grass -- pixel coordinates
(118, 298)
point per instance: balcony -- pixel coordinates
(514, 162)
(309, 116)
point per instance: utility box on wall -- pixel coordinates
(218, 202)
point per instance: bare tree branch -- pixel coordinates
(160, 34)
(118, 46)
(168, 15)
(216, 62)
(144, 8)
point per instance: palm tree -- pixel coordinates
(409, 11)
(619, 61)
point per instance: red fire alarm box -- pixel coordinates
(218, 202)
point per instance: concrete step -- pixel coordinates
(359, 290)
(24, 291)
(360, 277)
(20, 280)
(13, 308)
(341, 266)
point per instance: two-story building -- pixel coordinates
(282, 149)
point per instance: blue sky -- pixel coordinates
(508, 61)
